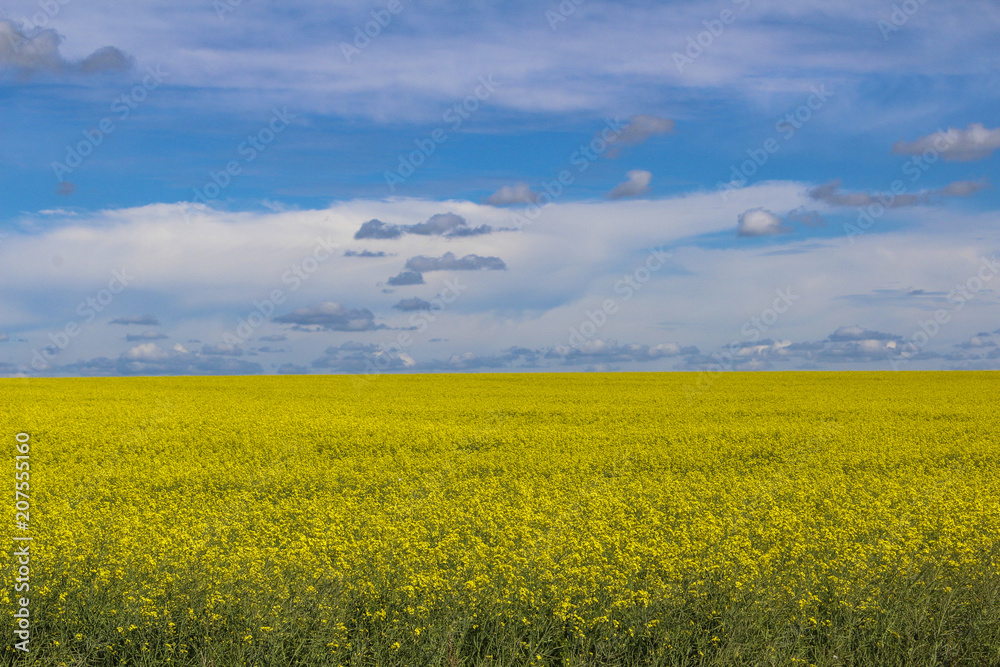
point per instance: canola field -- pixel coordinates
(545, 519)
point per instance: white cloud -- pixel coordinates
(637, 184)
(759, 222)
(603, 64)
(204, 277)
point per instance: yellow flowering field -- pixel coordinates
(508, 519)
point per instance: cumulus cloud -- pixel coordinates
(365, 253)
(637, 184)
(848, 344)
(105, 59)
(150, 359)
(153, 352)
(352, 357)
(519, 193)
(449, 262)
(743, 356)
(851, 343)
(441, 224)
(973, 143)
(438, 225)
(145, 335)
(40, 53)
(376, 229)
(407, 278)
(332, 316)
(979, 341)
(273, 338)
(857, 333)
(830, 193)
(413, 304)
(759, 222)
(145, 320)
(514, 357)
(599, 351)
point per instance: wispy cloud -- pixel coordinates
(332, 316)
(975, 142)
(450, 262)
(442, 224)
(831, 193)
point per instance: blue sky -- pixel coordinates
(580, 185)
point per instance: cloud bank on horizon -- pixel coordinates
(244, 188)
